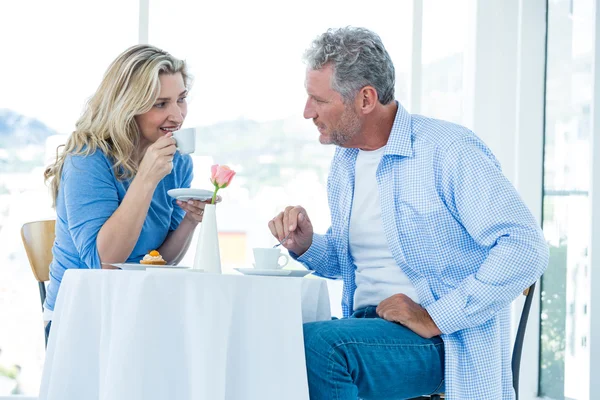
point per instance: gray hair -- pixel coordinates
(358, 58)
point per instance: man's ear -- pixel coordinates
(367, 99)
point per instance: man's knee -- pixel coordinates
(317, 338)
(323, 352)
(322, 342)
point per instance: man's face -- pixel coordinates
(337, 122)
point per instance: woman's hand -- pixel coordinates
(177, 242)
(194, 209)
(158, 159)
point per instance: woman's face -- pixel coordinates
(167, 113)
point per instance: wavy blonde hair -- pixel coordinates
(129, 87)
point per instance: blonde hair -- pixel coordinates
(129, 87)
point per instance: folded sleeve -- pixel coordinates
(321, 257)
(91, 197)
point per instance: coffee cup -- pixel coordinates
(186, 140)
(269, 258)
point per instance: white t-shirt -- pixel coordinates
(378, 276)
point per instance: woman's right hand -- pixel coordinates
(295, 222)
(158, 159)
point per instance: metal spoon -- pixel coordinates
(284, 239)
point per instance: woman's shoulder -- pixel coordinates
(93, 161)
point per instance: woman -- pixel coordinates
(110, 183)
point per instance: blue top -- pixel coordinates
(89, 193)
(461, 233)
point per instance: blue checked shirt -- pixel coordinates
(460, 232)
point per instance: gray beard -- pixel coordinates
(350, 127)
(339, 138)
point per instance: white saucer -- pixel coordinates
(298, 273)
(143, 267)
(187, 194)
(171, 269)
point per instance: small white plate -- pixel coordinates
(143, 267)
(193, 194)
(171, 269)
(298, 273)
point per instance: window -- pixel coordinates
(565, 285)
(54, 60)
(445, 26)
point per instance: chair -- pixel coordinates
(38, 239)
(518, 347)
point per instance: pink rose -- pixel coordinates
(221, 176)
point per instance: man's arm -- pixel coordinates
(482, 199)
(321, 257)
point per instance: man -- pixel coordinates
(432, 241)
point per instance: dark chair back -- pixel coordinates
(518, 347)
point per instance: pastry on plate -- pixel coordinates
(153, 258)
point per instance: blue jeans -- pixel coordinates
(367, 357)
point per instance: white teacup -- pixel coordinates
(186, 140)
(268, 258)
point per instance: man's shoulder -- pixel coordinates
(437, 132)
(444, 138)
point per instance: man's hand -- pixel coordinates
(296, 221)
(401, 309)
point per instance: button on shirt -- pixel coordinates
(470, 244)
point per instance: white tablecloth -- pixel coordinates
(127, 335)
